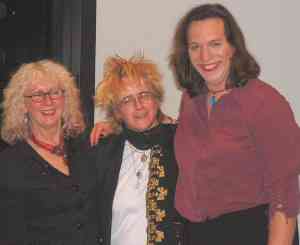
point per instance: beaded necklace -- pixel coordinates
(58, 150)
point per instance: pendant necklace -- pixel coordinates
(140, 169)
(139, 173)
(213, 96)
(141, 160)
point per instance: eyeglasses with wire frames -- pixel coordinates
(40, 96)
(131, 100)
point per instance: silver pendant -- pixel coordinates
(139, 174)
(144, 157)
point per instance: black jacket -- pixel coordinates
(108, 155)
(39, 205)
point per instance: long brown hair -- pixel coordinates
(243, 66)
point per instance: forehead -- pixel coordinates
(129, 87)
(205, 30)
(42, 83)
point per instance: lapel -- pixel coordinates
(109, 155)
(108, 160)
(114, 158)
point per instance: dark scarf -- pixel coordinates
(143, 140)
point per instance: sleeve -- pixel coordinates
(277, 139)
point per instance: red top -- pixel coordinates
(247, 153)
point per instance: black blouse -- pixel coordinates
(40, 205)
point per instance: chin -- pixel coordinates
(142, 128)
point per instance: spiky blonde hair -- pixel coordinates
(116, 69)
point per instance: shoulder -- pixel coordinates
(168, 129)
(111, 140)
(80, 143)
(186, 98)
(257, 90)
(12, 160)
(259, 103)
(14, 152)
(108, 144)
(258, 95)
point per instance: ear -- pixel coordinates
(117, 114)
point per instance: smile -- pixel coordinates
(48, 112)
(140, 116)
(209, 67)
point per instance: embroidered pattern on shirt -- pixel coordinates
(154, 196)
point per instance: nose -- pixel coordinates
(47, 99)
(205, 54)
(137, 103)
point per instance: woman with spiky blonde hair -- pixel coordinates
(47, 196)
(137, 69)
(137, 200)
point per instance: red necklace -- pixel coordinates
(58, 150)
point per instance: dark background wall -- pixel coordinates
(63, 30)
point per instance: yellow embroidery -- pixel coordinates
(161, 172)
(152, 205)
(162, 193)
(160, 235)
(155, 161)
(155, 194)
(160, 215)
(153, 182)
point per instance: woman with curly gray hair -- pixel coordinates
(46, 196)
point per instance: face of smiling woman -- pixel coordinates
(44, 103)
(209, 51)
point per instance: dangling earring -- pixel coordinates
(26, 118)
(63, 124)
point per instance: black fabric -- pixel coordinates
(109, 153)
(40, 205)
(146, 139)
(245, 227)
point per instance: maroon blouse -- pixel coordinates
(245, 154)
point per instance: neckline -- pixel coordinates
(38, 159)
(216, 91)
(212, 96)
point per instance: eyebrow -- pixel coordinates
(43, 91)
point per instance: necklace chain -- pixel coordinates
(139, 169)
(217, 91)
